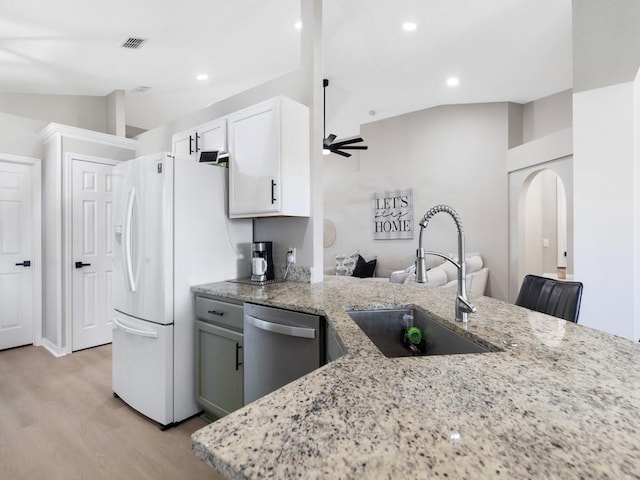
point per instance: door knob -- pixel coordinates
(80, 264)
(26, 263)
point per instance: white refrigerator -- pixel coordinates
(171, 231)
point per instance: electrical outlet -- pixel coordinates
(291, 255)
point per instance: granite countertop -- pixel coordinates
(563, 403)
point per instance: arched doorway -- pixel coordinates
(542, 224)
(521, 175)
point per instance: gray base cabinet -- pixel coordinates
(219, 356)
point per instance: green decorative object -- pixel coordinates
(414, 335)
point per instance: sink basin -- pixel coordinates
(386, 329)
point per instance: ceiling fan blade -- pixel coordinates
(329, 140)
(353, 147)
(348, 141)
(344, 154)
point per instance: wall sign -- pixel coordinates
(393, 215)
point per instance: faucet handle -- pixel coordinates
(466, 306)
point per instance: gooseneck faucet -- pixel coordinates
(463, 307)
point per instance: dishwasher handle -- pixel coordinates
(280, 329)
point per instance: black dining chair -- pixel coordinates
(553, 297)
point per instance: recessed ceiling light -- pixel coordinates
(409, 26)
(202, 76)
(453, 81)
(298, 25)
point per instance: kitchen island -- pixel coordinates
(564, 402)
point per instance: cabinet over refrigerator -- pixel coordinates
(171, 231)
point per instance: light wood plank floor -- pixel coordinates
(59, 420)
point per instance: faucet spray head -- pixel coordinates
(421, 266)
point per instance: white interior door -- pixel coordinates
(16, 255)
(92, 247)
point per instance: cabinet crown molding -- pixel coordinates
(61, 130)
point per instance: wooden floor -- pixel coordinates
(59, 420)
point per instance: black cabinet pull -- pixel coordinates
(197, 137)
(190, 144)
(80, 264)
(215, 312)
(26, 263)
(273, 192)
(238, 364)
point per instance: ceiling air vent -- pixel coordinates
(133, 42)
(141, 89)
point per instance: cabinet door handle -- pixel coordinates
(215, 312)
(238, 364)
(197, 137)
(190, 144)
(273, 192)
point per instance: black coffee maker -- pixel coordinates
(262, 250)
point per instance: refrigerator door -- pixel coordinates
(122, 296)
(143, 366)
(143, 257)
(152, 238)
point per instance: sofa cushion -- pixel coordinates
(436, 277)
(474, 263)
(476, 282)
(450, 270)
(399, 276)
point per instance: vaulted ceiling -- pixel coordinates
(501, 50)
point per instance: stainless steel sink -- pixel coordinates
(386, 329)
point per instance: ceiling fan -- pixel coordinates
(329, 143)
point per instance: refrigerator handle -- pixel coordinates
(128, 240)
(279, 328)
(134, 331)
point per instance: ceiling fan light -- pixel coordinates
(326, 151)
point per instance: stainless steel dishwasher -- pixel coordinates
(279, 347)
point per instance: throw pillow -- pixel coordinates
(346, 263)
(363, 268)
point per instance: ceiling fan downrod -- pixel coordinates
(329, 145)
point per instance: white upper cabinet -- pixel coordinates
(269, 160)
(207, 137)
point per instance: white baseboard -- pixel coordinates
(53, 349)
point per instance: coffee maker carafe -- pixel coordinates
(262, 261)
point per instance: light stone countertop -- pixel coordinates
(564, 403)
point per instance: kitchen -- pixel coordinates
(297, 227)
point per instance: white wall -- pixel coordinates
(453, 155)
(547, 115)
(541, 224)
(604, 211)
(74, 110)
(20, 136)
(532, 254)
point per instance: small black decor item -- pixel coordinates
(364, 269)
(329, 144)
